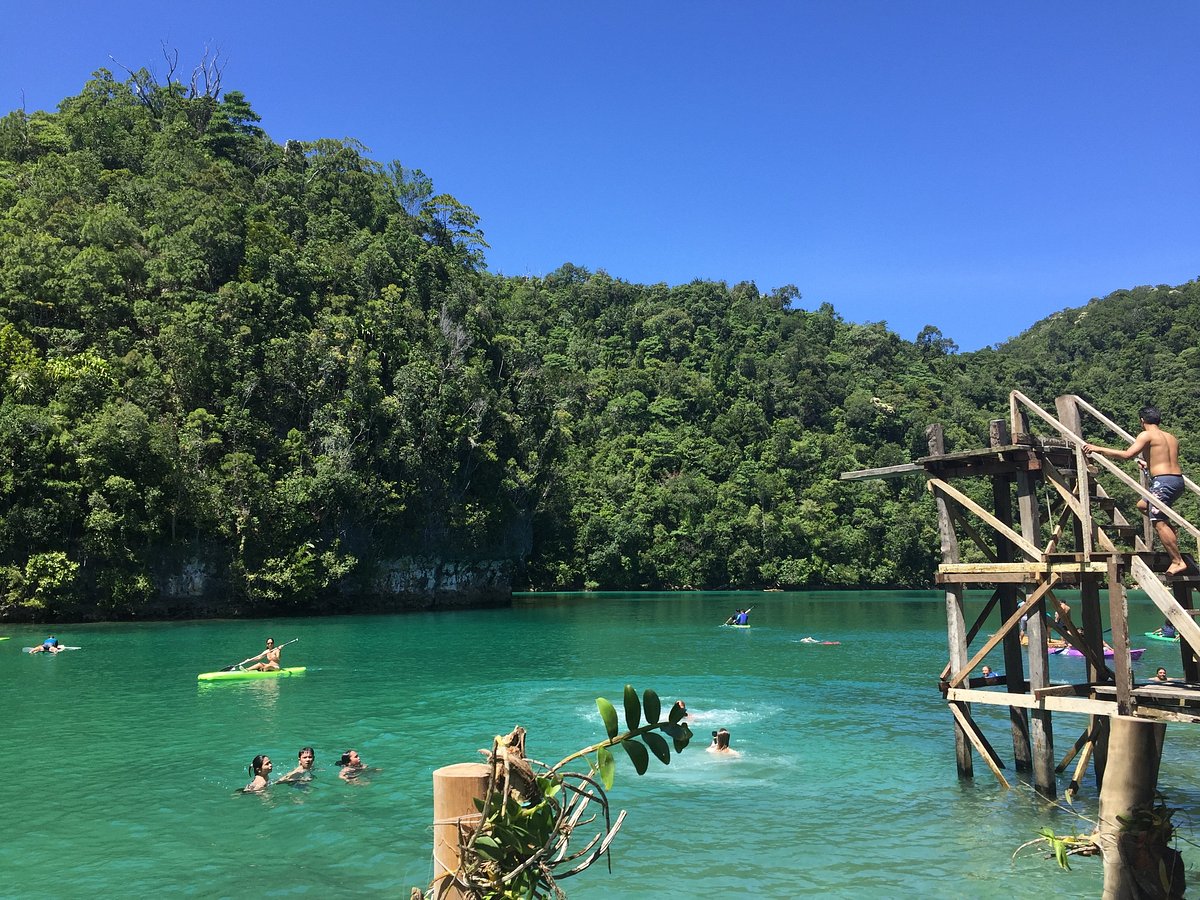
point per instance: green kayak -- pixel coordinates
(247, 674)
(1159, 636)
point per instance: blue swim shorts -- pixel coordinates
(1166, 490)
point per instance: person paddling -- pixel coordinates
(270, 658)
(49, 645)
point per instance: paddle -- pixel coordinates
(255, 656)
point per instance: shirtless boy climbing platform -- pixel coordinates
(1166, 478)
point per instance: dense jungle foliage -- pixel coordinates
(289, 362)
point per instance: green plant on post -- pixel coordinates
(521, 847)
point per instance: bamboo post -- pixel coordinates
(956, 627)
(455, 790)
(1014, 664)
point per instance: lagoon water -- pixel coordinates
(123, 770)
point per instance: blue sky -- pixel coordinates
(975, 166)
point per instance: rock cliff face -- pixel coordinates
(195, 587)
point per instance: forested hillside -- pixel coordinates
(275, 376)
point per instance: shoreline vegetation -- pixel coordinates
(241, 377)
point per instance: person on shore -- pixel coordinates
(352, 766)
(260, 769)
(1166, 479)
(720, 743)
(49, 645)
(270, 658)
(304, 767)
(1161, 674)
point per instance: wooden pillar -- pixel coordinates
(1191, 668)
(1041, 731)
(1118, 614)
(1136, 860)
(455, 790)
(956, 626)
(1014, 662)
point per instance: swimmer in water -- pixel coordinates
(304, 768)
(352, 766)
(720, 743)
(260, 768)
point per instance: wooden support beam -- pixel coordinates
(1118, 615)
(883, 472)
(937, 485)
(1058, 704)
(968, 726)
(973, 533)
(1176, 614)
(996, 638)
(956, 632)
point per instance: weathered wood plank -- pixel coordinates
(1023, 545)
(882, 472)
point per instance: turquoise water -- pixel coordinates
(124, 771)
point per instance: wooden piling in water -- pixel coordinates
(455, 790)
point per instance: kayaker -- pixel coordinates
(743, 617)
(720, 743)
(49, 645)
(989, 676)
(270, 658)
(260, 768)
(352, 766)
(1168, 630)
(303, 771)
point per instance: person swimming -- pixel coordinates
(720, 743)
(260, 769)
(304, 768)
(352, 766)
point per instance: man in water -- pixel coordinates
(1161, 674)
(303, 771)
(989, 676)
(269, 657)
(1166, 478)
(720, 743)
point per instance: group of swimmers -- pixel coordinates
(260, 769)
(720, 737)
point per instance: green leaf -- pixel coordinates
(633, 708)
(658, 746)
(608, 713)
(683, 739)
(652, 705)
(487, 847)
(606, 766)
(677, 712)
(637, 753)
